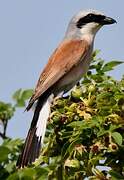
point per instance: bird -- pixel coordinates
(65, 67)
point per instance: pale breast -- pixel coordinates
(75, 74)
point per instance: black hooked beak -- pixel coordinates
(108, 20)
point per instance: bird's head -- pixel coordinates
(88, 22)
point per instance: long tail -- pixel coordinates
(36, 133)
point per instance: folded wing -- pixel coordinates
(66, 56)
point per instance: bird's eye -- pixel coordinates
(90, 15)
(89, 18)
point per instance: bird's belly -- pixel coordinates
(73, 76)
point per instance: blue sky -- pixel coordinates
(29, 32)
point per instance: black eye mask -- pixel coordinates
(90, 18)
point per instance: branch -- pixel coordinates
(3, 136)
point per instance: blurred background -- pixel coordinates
(31, 30)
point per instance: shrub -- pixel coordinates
(85, 131)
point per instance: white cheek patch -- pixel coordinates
(90, 28)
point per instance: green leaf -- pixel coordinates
(20, 103)
(6, 111)
(27, 94)
(72, 163)
(4, 151)
(27, 173)
(10, 167)
(95, 53)
(115, 175)
(117, 137)
(110, 65)
(20, 97)
(42, 173)
(105, 99)
(99, 65)
(13, 176)
(12, 145)
(77, 124)
(17, 94)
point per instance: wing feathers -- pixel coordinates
(65, 57)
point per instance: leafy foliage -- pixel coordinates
(85, 132)
(21, 96)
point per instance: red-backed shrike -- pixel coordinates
(64, 69)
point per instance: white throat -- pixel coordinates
(89, 31)
(90, 28)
